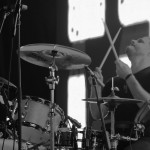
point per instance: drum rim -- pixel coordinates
(46, 102)
(34, 126)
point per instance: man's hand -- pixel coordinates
(122, 69)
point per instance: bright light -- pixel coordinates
(125, 59)
(77, 92)
(85, 19)
(133, 11)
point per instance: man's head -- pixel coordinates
(139, 47)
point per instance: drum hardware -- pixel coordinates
(139, 128)
(87, 138)
(115, 99)
(92, 139)
(106, 138)
(51, 81)
(8, 122)
(112, 102)
(66, 138)
(118, 137)
(74, 137)
(93, 75)
(54, 57)
(74, 122)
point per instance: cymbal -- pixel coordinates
(12, 88)
(5, 83)
(41, 54)
(113, 99)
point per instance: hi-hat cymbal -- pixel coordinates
(113, 99)
(41, 54)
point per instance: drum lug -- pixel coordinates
(23, 115)
(26, 105)
(50, 113)
(47, 124)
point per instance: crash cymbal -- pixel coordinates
(41, 54)
(113, 99)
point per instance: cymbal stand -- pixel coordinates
(51, 81)
(112, 107)
(113, 140)
(107, 142)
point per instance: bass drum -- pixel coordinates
(142, 144)
(9, 144)
(36, 119)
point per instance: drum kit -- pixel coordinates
(43, 121)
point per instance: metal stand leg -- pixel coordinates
(112, 107)
(52, 80)
(106, 138)
(113, 139)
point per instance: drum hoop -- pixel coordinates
(45, 102)
(33, 98)
(35, 126)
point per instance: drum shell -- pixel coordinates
(39, 114)
(64, 139)
(69, 138)
(8, 145)
(92, 139)
(36, 114)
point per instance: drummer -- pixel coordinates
(131, 83)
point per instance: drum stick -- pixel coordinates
(110, 40)
(108, 51)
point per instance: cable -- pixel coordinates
(9, 75)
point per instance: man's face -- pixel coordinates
(139, 47)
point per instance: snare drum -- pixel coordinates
(67, 138)
(92, 139)
(36, 119)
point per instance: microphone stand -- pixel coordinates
(3, 20)
(16, 27)
(106, 138)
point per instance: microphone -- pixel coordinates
(74, 122)
(93, 75)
